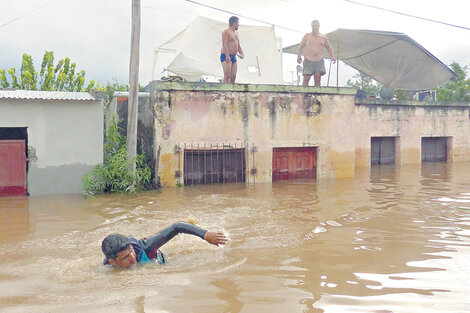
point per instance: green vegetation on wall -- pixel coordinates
(114, 175)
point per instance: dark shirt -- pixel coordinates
(152, 244)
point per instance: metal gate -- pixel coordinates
(12, 168)
(211, 166)
(434, 149)
(382, 150)
(294, 163)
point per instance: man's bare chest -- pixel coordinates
(233, 37)
(315, 41)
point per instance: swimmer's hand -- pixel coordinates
(215, 238)
(241, 55)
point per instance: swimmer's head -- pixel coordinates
(119, 251)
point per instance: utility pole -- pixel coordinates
(133, 100)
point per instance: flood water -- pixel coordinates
(389, 240)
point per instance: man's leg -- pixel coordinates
(317, 79)
(227, 71)
(306, 80)
(233, 72)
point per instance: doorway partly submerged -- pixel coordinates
(294, 163)
(13, 161)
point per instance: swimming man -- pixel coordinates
(122, 251)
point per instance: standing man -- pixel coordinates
(230, 47)
(313, 63)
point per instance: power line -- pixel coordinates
(350, 1)
(405, 14)
(247, 17)
(27, 13)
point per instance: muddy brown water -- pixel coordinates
(389, 240)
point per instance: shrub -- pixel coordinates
(114, 175)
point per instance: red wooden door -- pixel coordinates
(12, 168)
(294, 163)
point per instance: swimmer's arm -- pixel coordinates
(165, 235)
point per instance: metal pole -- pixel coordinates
(337, 74)
(329, 71)
(234, 151)
(204, 164)
(192, 164)
(198, 159)
(212, 166)
(244, 164)
(223, 163)
(337, 65)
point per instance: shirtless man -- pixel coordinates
(230, 47)
(314, 64)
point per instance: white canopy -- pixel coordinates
(197, 52)
(394, 59)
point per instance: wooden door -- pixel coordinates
(294, 163)
(12, 168)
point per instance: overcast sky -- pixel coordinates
(96, 33)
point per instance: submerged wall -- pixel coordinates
(260, 116)
(409, 121)
(263, 117)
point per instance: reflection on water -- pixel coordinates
(14, 218)
(389, 240)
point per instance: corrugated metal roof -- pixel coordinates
(45, 95)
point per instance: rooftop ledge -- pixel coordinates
(199, 86)
(409, 103)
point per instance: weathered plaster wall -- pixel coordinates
(266, 116)
(410, 121)
(65, 141)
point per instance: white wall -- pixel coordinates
(67, 136)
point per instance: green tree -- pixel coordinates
(457, 89)
(365, 83)
(3, 79)
(60, 77)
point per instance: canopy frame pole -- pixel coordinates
(329, 71)
(337, 66)
(337, 74)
